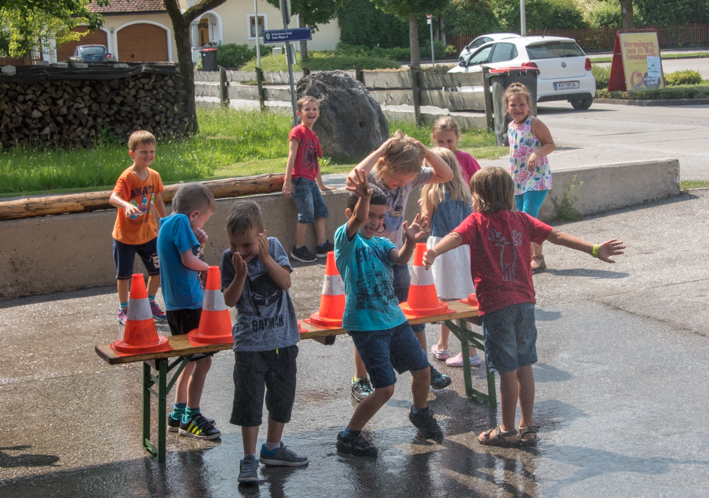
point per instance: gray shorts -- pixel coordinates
(510, 337)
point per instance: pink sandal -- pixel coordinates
(440, 355)
(457, 361)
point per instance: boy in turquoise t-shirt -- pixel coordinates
(373, 318)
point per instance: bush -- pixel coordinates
(541, 14)
(232, 55)
(672, 93)
(345, 63)
(687, 77)
(470, 17)
(606, 14)
(602, 74)
(361, 23)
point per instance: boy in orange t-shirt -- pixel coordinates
(136, 192)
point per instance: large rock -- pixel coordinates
(351, 122)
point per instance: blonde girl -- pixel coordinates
(445, 133)
(397, 168)
(530, 144)
(445, 206)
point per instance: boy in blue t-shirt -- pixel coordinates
(373, 318)
(179, 250)
(255, 279)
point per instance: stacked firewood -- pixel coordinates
(80, 112)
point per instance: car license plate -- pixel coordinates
(566, 85)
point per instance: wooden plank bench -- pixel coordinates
(183, 351)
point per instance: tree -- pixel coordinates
(181, 28)
(409, 9)
(312, 13)
(470, 17)
(626, 10)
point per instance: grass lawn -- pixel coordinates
(230, 143)
(687, 184)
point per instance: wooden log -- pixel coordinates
(93, 201)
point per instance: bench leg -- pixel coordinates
(466, 337)
(147, 383)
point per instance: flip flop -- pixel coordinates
(501, 438)
(457, 361)
(440, 355)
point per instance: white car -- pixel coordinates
(480, 40)
(564, 69)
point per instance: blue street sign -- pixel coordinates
(287, 35)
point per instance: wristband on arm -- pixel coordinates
(595, 250)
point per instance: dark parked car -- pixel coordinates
(91, 53)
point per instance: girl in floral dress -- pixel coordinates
(530, 144)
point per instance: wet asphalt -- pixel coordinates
(620, 394)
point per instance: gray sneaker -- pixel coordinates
(302, 254)
(248, 470)
(282, 456)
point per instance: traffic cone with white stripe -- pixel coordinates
(332, 298)
(423, 299)
(215, 322)
(140, 334)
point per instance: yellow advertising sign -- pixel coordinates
(641, 61)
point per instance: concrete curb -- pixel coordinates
(59, 253)
(661, 102)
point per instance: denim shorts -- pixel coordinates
(402, 282)
(124, 257)
(510, 337)
(308, 199)
(183, 322)
(531, 202)
(382, 351)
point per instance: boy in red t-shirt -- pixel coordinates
(499, 238)
(136, 192)
(304, 182)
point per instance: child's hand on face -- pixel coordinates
(240, 268)
(428, 258)
(610, 248)
(360, 185)
(417, 230)
(263, 253)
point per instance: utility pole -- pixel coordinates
(258, 40)
(522, 18)
(285, 11)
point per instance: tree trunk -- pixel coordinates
(303, 43)
(414, 41)
(626, 10)
(184, 61)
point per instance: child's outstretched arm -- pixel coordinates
(360, 186)
(442, 173)
(541, 131)
(601, 251)
(232, 294)
(414, 232)
(447, 243)
(279, 274)
(368, 163)
(117, 201)
(287, 181)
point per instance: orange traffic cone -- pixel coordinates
(301, 329)
(215, 322)
(332, 298)
(423, 299)
(471, 300)
(140, 334)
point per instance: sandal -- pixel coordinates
(532, 430)
(541, 264)
(501, 438)
(441, 355)
(457, 361)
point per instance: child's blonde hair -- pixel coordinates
(444, 123)
(516, 89)
(493, 189)
(304, 100)
(434, 194)
(243, 217)
(403, 157)
(193, 197)
(140, 137)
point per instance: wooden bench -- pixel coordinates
(183, 351)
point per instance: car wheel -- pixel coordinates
(582, 104)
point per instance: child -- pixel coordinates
(373, 318)
(444, 206)
(396, 168)
(499, 239)
(136, 192)
(303, 182)
(178, 248)
(256, 278)
(530, 144)
(445, 133)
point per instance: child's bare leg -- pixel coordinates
(249, 436)
(369, 406)
(443, 338)
(360, 369)
(509, 393)
(537, 250)
(196, 383)
(153, 284)
(182, 382)
(420, 383)
(300, 231)
(275, 431)
(123, 288)
(525, 381)
(320, 230)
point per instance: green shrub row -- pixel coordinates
(686, 77)
(232, 55)
(672, 93)
(348, 62)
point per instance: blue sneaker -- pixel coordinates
(122, 316)
(282, 456)
(248, 470)
(158, 314)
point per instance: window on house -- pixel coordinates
(252, 26)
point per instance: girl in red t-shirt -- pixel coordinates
(499, 238)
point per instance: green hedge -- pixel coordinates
(232, 55)
(672, 93)
(340, 62)
(602, 74)
(687, 77)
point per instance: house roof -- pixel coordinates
(131, 6)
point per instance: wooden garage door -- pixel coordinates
(94, 37)
(142, 43)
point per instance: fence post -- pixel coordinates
(223, 90)
(490, 123)
(417, 96)
(259, 82)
